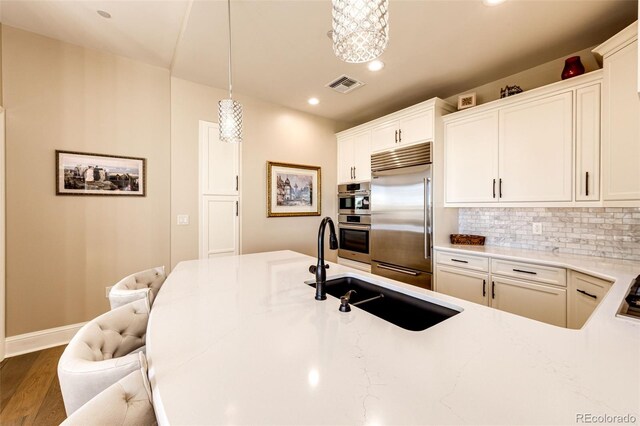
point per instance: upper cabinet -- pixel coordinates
(620, 112)
(520, 150)
(354, 158)
(404, 130)
(409, 126)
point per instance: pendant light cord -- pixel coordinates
(230, 78)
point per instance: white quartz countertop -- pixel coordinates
(241, 340)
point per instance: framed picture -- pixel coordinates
(467, 100)
(81, 173)
(293, 190)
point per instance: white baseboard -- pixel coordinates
(38, 340)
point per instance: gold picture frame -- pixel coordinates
(291, 190)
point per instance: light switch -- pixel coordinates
(537, 228)
(183, 219)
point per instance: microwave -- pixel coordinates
(354, 198)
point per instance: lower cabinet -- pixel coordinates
(536, 301)
(585, 293)
(463, 284)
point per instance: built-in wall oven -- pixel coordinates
(354, 233)
(353, 198)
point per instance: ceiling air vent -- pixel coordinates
(345, 84)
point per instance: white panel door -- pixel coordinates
(621, 142)
(220, 171)
(588, 143)
(362, 157)
(416, 128)
(471, 159)
(384, 136)
(219, 194)
(345, 159)
(463, 284)
(220, 234)
(539, 302)
(536, 156)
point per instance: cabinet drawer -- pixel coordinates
(475, 263)
(529, 271)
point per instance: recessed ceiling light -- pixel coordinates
(104, 14)
(492, 2)
(313, 101)
(375, 65)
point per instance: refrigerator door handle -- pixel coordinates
(427, 218)
(402, 271)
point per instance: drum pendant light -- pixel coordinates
(230, 111)
(360, 29)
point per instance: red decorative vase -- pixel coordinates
(572, 67)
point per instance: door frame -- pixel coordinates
(203, 126)
(3, 270)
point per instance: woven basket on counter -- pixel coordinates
(467, 239)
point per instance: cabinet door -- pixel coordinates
(536, 150)
(220, 226)
(416, 128)
(384, 136)
(462, 284)
(345, 159)
(588, 143)
(585, 293)
(219, 162)
(539, 302)
(471, 159)
(362, 157)
(621, 142)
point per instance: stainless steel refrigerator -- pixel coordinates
(401, 215)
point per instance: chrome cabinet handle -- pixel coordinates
(587, 294)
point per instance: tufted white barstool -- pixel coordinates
(126, 402)
(137, 286)
(102, 352)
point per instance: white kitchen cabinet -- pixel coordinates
(536, 301)
(535, 150)
(403, 130)
(621, 109)
(354, 158)
(471, 159)
(588, 143)
(462, 283)
(585, 293)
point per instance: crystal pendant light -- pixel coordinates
(360, 29)
(230, 111)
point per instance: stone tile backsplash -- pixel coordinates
(605, 232)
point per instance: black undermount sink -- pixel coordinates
(397, 308)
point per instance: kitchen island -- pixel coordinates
(241, 340)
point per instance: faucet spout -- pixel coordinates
(320, 269)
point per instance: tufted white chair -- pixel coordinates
(137, 286)
(102, 352)
(126, 402)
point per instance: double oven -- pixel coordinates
(354, 221)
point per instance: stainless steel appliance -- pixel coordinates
(631, 305)
(401, 215)
(353, 198)
(354, 231)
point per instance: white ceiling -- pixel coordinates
(281, 52)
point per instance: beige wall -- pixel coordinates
(271, 133)
(544, 74)
(63, 251)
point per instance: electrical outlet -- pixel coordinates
(106, 291)
(183, 219)
(537, 228)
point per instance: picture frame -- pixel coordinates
(293, 190)
(84, 173)
(467, 100)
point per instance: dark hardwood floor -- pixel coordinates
(29, 389)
